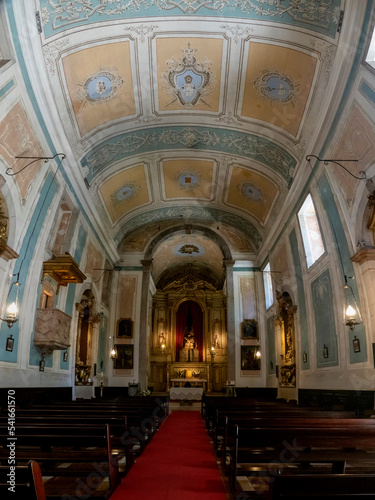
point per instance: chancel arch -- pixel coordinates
(188, 341)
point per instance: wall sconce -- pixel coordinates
(12, 309)
(10, 343)
(162, 342)
(325, 351)
(257, 352)
(65, 356)
(337, 162)
(114, 352)
(212, 352)
(304, 356)
(42, 364)
(356, 345)
(352, 315)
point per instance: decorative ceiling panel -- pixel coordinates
(189, 72)
(99, 81)
(252, 193)
(125, 191)
(184, 178)
(198, 138)
(320, 16)
(278, 85)
(182, 250)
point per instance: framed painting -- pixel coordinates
(249, 329)
(125, 329)
(124, 360)
(250, 359)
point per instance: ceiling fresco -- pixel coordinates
(190, 112)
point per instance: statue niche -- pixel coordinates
(189, 332)
(189, 351)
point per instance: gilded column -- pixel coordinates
(230, 320)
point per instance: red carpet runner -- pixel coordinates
(179, 464)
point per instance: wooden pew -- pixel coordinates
(279, 447)
(22, 482)
(71, 459)
(323, 487)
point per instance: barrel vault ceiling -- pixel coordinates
(188, 112)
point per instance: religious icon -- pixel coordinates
(125, 328)
(249, 329)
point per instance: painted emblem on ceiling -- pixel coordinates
(188, 180)
(249, 191)
(276, 86)
(189, 249)
(125, 193)
(101, 86)
(188, 80)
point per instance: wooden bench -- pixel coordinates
(24, 482)
(268, 450)
(73, 461)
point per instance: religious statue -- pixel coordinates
(189, 340)
(189, 351)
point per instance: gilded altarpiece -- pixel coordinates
(169, 368)
(287, 311)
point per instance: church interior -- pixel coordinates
(188, 170)
(187, 201)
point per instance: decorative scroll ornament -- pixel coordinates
(189, 80)
(102, 86)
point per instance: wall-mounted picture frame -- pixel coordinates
(124, 328)
(249, 329)
(124, 360)
(9, 344)
(356, 345)
(249, 358)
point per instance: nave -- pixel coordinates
(179, 464)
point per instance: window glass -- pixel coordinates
(267, 280)
(311, 235)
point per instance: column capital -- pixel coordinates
(229, 264)
(363, 255)
(147, 264)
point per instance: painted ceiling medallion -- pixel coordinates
(188, 80)
(189, 249)
(188, 180)
(249, 191)
(125, 193)
(101, 86)
(276, 86)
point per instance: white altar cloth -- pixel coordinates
(191, 393)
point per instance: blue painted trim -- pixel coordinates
(7, 88)
(284, 13)
(245, 269)
(367, 92)
(343, 254)
(26, 254)
(302, 310)
(34, 102)
(325, 328)
(125, 145)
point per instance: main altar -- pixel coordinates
(188, 343)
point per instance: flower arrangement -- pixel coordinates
(145, 392)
